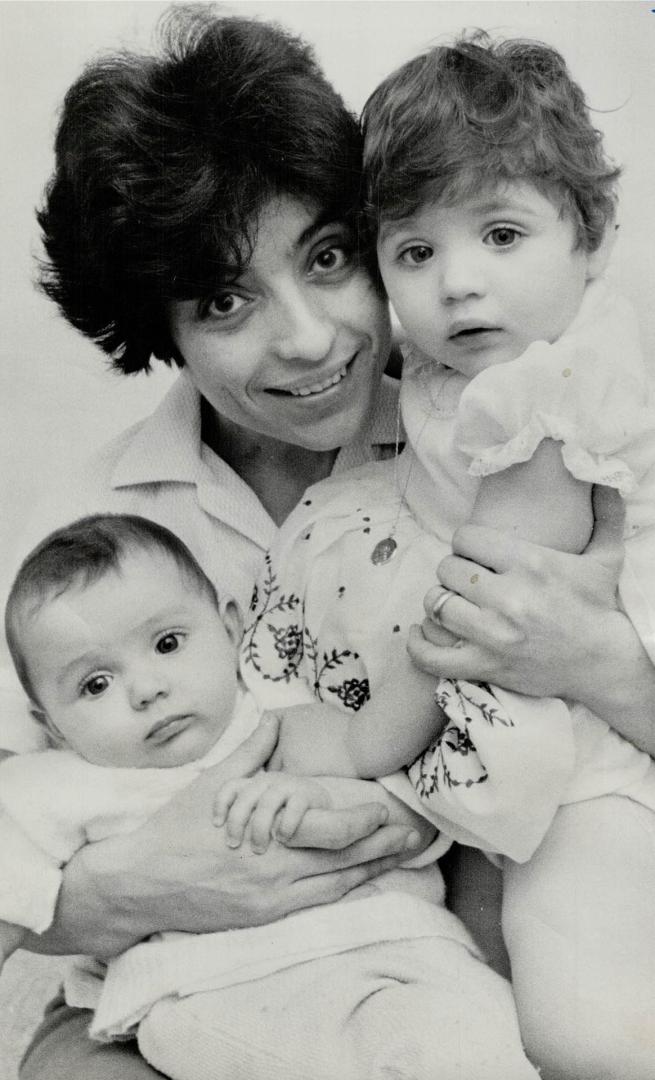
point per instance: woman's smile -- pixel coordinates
(299, 358)
(316, 387)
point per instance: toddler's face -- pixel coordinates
(137, 669)
(474, 284)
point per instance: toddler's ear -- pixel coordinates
(597, 260)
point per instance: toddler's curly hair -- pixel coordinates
(476, 114)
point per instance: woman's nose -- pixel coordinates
(303, 329)
(146, 686)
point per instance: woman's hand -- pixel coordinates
(177, 872)
(542, 622)
(523, 616)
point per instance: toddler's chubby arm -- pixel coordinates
(386, 733)
(538, 501)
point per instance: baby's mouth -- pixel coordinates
(472, 332)
(167, 729)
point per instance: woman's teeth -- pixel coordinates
(316, 388)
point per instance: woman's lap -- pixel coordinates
(416, 1009)
(62, 1050)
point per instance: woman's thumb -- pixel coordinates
(606, 542)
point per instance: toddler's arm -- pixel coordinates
(538, 501)
(386, 733)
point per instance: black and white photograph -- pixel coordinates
(328, 405)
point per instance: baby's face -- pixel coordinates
(474, 284)
(137, 669)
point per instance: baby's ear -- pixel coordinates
(232, 621)
(597, 260)
(43, 720)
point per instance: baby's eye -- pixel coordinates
(168, 643)
(502, 236)
(417, 254)
(223, 305)
(96, 685)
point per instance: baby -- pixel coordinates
(129, 657)
(523, 385)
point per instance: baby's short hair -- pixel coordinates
(483, 112)
(80, 554)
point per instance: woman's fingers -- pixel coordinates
(460, 661)
(340, 831)
(395, 842)
(488, 548)
(332, 885)
(472, 614)
(438, 635)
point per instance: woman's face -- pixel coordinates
(295, 347)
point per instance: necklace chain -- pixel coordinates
(386, 548)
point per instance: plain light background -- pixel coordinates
(59, 401)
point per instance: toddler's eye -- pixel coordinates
(502, 236)
(168, 643)
(417, 254)
(96, 685)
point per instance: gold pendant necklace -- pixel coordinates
(385, 549)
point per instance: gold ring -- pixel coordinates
(443, 599)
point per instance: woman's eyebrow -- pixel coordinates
(321, 222)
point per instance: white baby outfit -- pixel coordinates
(325, 614)
(249, 997)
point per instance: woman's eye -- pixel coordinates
(168, 643)
(223, 305)
(96, 685)
(329, 259)
(502, 236)
(416, 255)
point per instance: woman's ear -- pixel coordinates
(597, 260)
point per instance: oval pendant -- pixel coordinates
(384, 550)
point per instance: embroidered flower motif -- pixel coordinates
(287, 641)
(353, 693)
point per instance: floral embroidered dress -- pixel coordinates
(327, 620)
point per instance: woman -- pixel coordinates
(204, 211)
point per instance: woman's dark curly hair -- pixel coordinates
(163, 163)
(478, 113)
